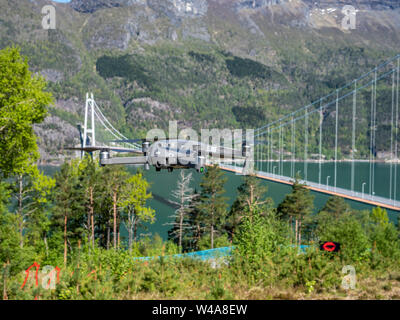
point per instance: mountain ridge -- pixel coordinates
(205, 64)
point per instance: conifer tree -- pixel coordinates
(250, 200)
(297, 205)
(335, 207)
(69, 201)
(213, 204)
(31, 191)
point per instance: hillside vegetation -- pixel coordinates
(220, 65)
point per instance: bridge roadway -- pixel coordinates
(356, 196)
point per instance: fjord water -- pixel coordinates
(162, 184)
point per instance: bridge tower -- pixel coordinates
(89, 133)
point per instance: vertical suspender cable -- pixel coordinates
(281, 152)
(336, 135)
(370, 139)
(321, 119)
(292, 150)
(353, 135)
(268, 155)
(396, 137)
(391, 139)
(262, 152)
(272, 151)
(306, 144)
(280, 146)
(374, 137)
(258, 156)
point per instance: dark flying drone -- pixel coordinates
(169, 154)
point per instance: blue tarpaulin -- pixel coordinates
(206, 255)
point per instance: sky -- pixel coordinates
(62, 1)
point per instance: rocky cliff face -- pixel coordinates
(360, 4)
(90, 6)
(181, 7)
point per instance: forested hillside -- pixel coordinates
(208, 63)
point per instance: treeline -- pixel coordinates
(73, 221)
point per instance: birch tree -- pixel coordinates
(133, 198)
(23, 103)
(115, 177)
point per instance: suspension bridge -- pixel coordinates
(345, 143)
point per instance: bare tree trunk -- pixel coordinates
(5, 296)
(180, 229)
(46, 246)
(251, 200)
(108, 237)
(92, 214)
(130, 231)
(212, 236)
(92, 230)
(88, 225)
(65, 239)
(135, 229)
(21, 222)
(115, 218)
(198, 236)
(300, 231)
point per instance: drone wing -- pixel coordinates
(105, 148)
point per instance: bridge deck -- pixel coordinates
(356, 196)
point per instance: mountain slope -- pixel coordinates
(204, 63)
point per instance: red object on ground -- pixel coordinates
(35, 264)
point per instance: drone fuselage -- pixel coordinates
(166, 154)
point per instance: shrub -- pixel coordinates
(259, 241)
(347, 231)
(219, 242)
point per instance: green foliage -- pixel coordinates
(349, 232)
(251, 199)
(298, 203)
(260, 239)
(219, 242)
(68, 214)
(212, 203)
(240, 67)
(202, 57)
(23, 103)
(9, 236)
(253, 116)
(123, 66)
(379, 216)
(384, 238)
(134, 195)
(335, 207)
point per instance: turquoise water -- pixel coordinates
(162, 184)
(362, 170)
